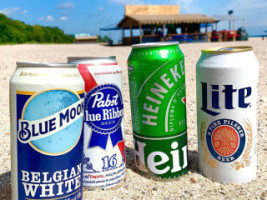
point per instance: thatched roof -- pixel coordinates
(136, 20)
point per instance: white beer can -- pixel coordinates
(104, 151)
(226, 82)
(46, 109)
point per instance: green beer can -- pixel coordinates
(157, 91)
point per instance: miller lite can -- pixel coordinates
(157, 90)
(104, 151)
(46, 109)
(226, 82)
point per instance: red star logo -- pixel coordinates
(183, 100)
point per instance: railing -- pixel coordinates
(181, 38)
(224, 36)
(184, 38)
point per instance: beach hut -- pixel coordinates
(160, 22)
(231, 34)
(85, 38)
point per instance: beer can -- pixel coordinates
(46, 109)
(226, 82)
(157, 92)
(104, 151)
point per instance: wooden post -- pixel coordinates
(131, 34)
(234, 31)
(122, 29)
(140, 37)
(122, 32)
(131, 31)
(208, 35)
(233, 24)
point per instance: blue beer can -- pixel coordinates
(46, 109)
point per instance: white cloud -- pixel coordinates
(100, 8)
(24, 12)
(41, 18)
(128, 2)
(66, 5)
(246, 5)
(255, 12)
(63, 18)
(187, 6)
(50, 18)
(8, 11)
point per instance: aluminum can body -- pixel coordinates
(157, 91)
(104, 150)
(226, 82)
(46, 109)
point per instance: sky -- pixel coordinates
(87, 16)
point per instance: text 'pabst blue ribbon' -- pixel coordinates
(103, 113)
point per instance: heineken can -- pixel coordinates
(104, 150)
(226, 82)
(157, 91)
(46, 109)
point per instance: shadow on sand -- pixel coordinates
(5, 186)
(130, 162)
(5, 178)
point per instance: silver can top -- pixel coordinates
(40, 64)
(230, 49)
(154, 44)
(87, 58)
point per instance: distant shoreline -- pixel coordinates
(256, 36)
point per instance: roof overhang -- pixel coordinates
(227, 17)
(136, 20)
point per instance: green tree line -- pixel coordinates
(15, 31)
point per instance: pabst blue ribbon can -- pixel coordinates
(226, 81)
(104, 151)
(46, 108)
(157, 90)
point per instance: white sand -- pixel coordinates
(191, 186)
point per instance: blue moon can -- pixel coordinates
(46, 109)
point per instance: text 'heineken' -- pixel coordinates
(157, 91)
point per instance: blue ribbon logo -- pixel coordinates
(103, 113)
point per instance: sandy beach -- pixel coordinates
(136, 186)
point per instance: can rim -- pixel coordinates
(43, 64)
(154, 44)
(76, 58)
(229, 49)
